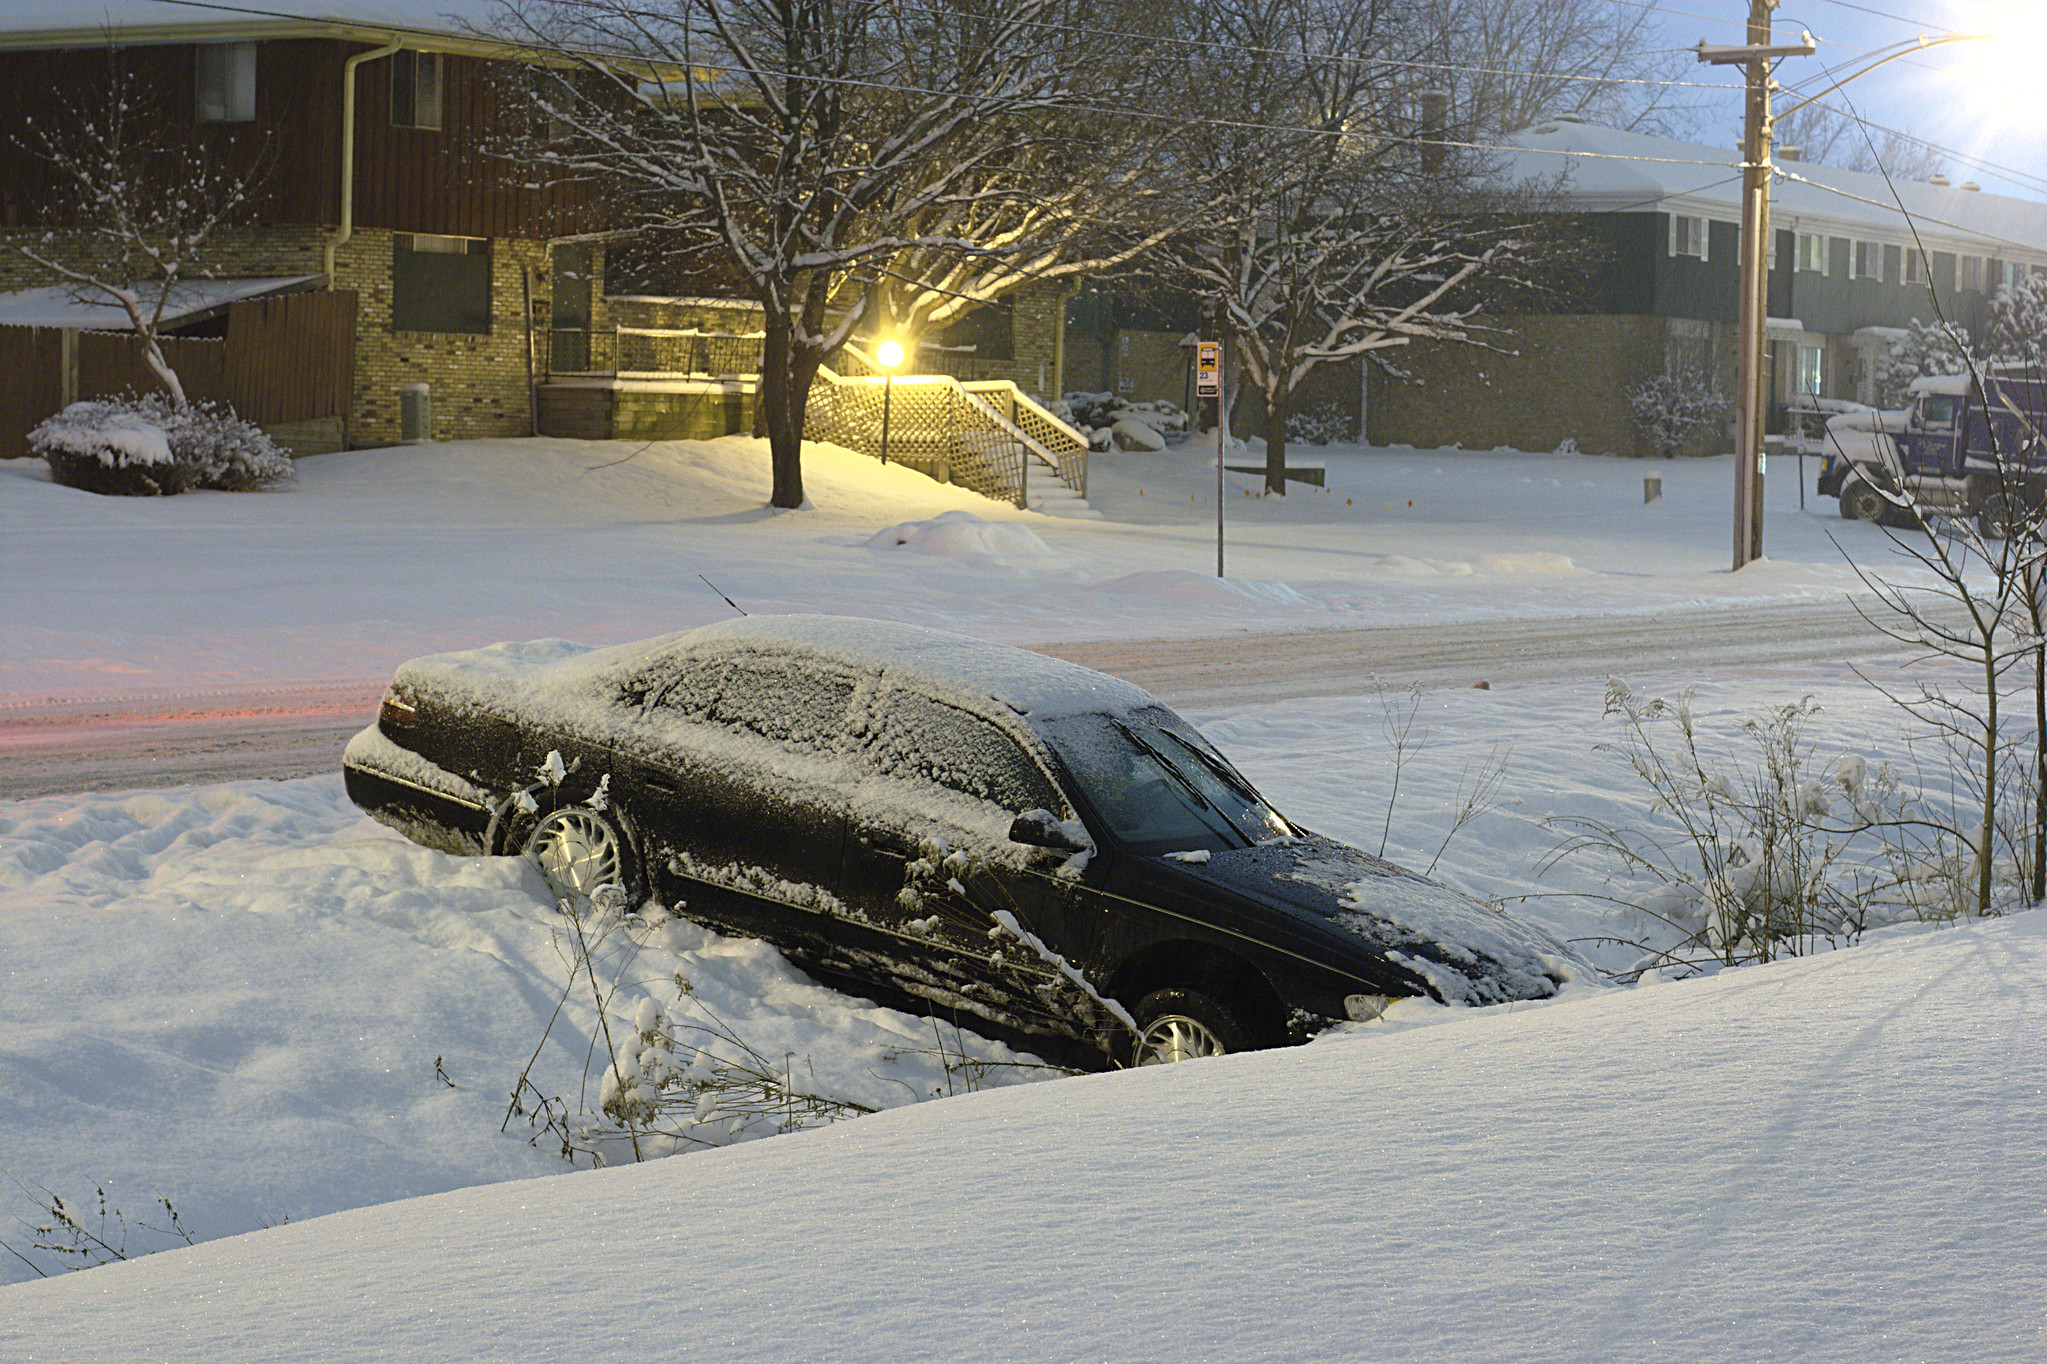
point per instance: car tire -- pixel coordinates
(1860, 502)
(1182, 1025)
(577, 850)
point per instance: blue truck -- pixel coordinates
(1962, 446)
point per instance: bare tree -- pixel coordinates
(1324, 233)
(810, 148)
(1835, 137)
(1504, 65)
(147, 202)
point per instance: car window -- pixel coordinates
(915, 736)
(1158, 789)
(803, 705)
(797, 704)
(1938, 409)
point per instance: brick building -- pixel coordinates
(377, 119)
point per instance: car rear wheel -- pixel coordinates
(1181, 1025)
(578, 850)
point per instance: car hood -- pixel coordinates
(1466, 951)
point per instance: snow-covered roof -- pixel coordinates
(60, 305)
(1030, 683)
(1609, 170)
(64, 23)
(1951, 385)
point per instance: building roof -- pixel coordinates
(90, 23)
(60, 305)
(1608, 170)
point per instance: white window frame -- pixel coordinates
(1679, 233)
(1812, 252)
(1874, 251)
(1811, 365)
(1973, 270)
(224, 83)
(1914, 266)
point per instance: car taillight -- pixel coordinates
(397, 712)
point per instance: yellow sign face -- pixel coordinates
(1208, 357)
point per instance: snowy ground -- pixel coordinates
(377, 556)
(237, 997)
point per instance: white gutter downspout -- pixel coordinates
(347, 228)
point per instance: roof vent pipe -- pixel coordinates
(1972, 186)
(1937, 180)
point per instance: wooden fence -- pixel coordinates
(284, 359)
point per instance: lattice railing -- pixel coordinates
(657, 353)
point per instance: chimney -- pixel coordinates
(1940, 180)
(1435, 126)
(1790, 151)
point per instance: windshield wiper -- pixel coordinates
(1167, 763)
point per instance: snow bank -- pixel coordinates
(963, 536)
(1802, 1161)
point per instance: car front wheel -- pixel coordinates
(1180, 1025)
(578, 850)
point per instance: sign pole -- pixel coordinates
(1208, 383)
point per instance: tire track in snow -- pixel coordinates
(222, 734)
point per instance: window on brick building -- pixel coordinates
(416, 89)
(225, 88)
(440, 284)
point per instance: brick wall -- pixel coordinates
(1037, 347)
(1569, 379)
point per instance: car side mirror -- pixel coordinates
(1043, 829)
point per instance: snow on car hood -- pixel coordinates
(1467, 951)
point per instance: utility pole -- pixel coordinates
(1751, 403)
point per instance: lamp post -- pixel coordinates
(888, 355)
(1758, 131)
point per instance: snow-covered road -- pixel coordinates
(110, 744)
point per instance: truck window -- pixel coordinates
(1937, 410)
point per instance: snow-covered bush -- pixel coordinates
(1322, 425)
(2015, 329)
(1920, 349)
(1672, 407)
(150, 447)
(1097, 415)
(1757, 858)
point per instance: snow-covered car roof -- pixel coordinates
(949, 666)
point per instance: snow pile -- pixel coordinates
(1130, 434)
(960, 535)
(1800, 1161)
(240, 996)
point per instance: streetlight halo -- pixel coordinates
(889, 353)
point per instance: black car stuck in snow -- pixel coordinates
(934, 820)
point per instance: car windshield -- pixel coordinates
(1156, 787)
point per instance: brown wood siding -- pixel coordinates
(447, 181)
(288, 359)
(407, 179)
(30, 375)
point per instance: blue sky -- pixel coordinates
(1985, 99)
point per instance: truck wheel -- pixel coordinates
(1860, 502)
(2000, 514)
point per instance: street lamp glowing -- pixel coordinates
(889, 353)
